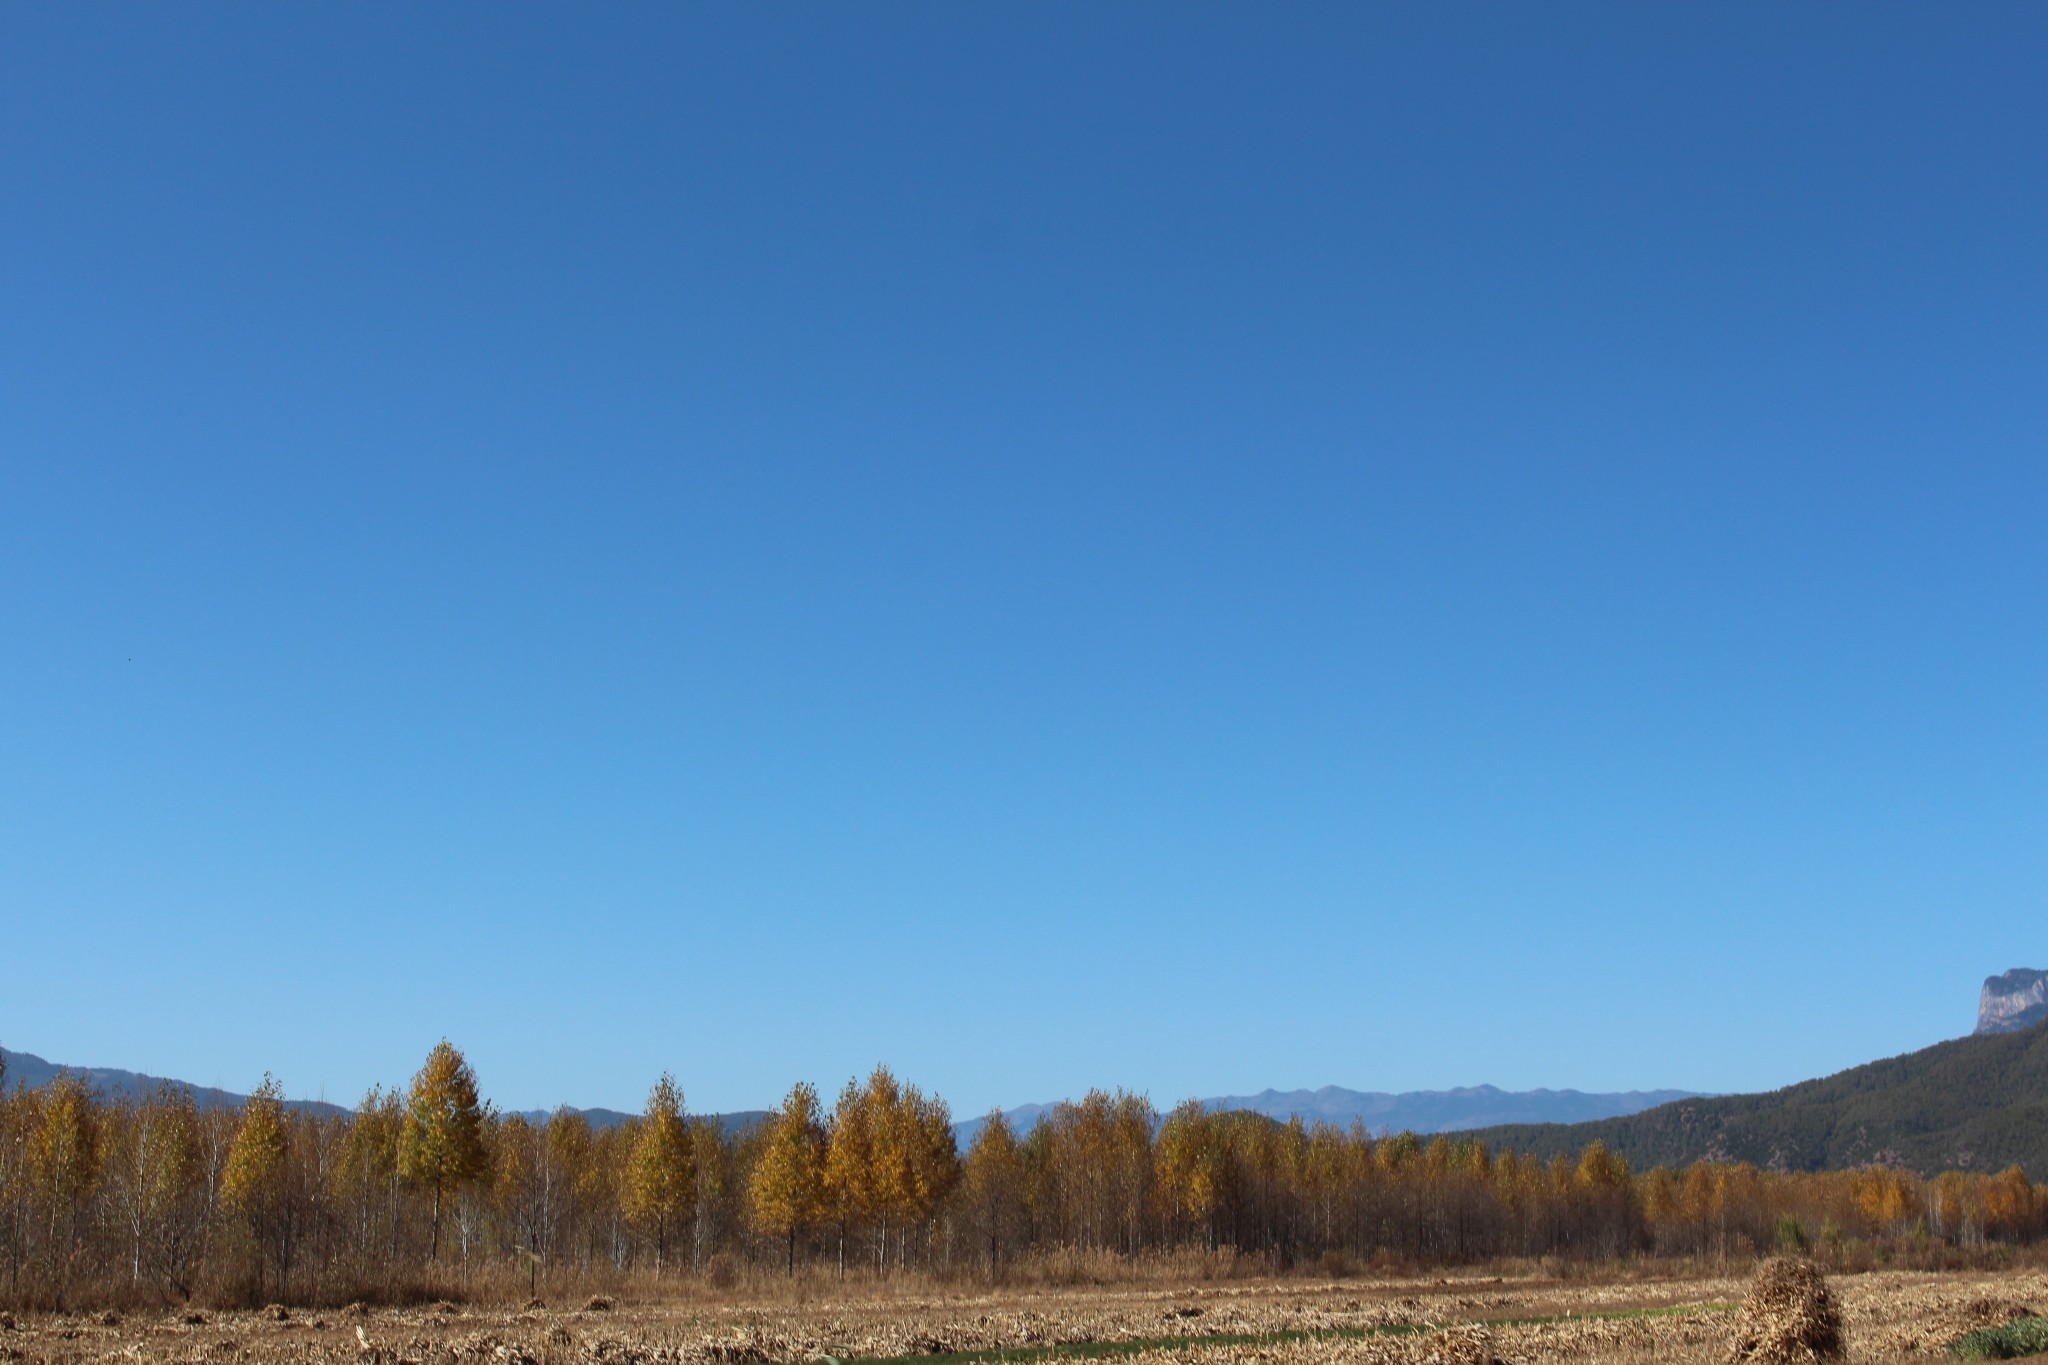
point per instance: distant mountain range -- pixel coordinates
(1419, 1111)
(25, 1068)
(1438, 1111)
(737, 1121)
(1979, 1103)
(1423, 1111)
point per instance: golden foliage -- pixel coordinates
(661, 1179)
(64, 1154)
(255, 1172)
(788, 1191)
(441, 1146)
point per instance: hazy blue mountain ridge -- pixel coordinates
(1419, 1111)
(112, 1083)
(1437, 1111)
(1423, 1111)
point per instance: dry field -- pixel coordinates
(1461, 1320)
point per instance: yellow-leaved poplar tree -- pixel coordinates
(851, 1189)
(159, 1162)
(787, 1193)
(930, 1163)
(994, 1184)
(64, 1155)
(253, 1184)
(442, 1146)
(661, 1170)
(366, 1177)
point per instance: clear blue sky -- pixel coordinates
(1193, 547)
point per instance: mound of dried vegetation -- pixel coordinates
(1789, 1317)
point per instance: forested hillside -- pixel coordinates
(1976, 1103)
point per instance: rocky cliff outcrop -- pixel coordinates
(2016, 1000)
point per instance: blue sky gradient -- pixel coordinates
(1192, 547)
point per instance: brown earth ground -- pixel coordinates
(1458, 1320)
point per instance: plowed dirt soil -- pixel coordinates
(1473, 1320)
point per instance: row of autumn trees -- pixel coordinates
(426, 1189)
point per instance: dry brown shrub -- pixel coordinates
(1789, 1317)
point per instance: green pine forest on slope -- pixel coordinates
(1977, 1103)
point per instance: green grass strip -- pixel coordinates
(2021, 1337)
(1099, 1350)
